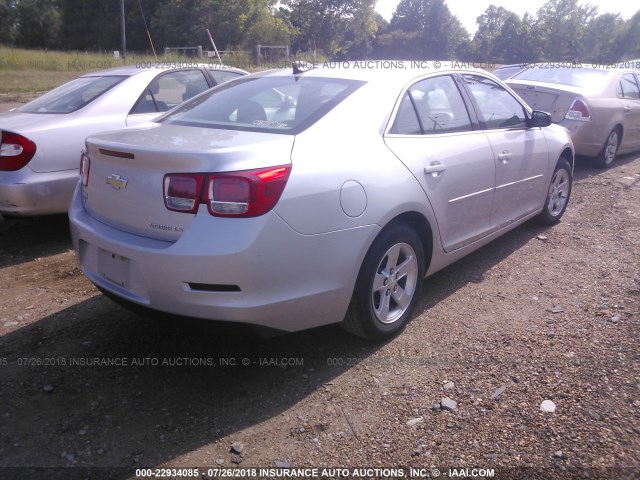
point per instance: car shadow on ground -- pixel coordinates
(95, 385)
(78, 382)
(586, 166)
(28, 238)
(474, 266)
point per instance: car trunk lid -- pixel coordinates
(547, 98)
(125, 183)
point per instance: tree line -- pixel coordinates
(561, 30)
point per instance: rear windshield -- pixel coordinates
(264, 104)
(505, 72)
(72, 95)
(578, 77)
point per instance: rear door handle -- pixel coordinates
(504, 157)
(627, 109)
(435, 169)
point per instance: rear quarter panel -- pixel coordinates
(345, 177)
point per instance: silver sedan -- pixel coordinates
(599, 106)
(293, 199)
(40, 142)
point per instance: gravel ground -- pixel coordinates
(540, 315)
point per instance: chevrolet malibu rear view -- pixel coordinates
(294, 199)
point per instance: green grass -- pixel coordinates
(24, 70)
(26, 81)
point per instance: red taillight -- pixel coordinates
(15, 151)
(249, 193)
(182, 192)
(228, 195)
(85, 166)
(578, 111)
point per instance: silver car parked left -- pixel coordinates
(40, 142)
(293, 199)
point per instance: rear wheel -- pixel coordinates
(609, 151)
(558, 194)
(388, 284)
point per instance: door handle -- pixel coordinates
(627, 109)
(504, 157)
(435, 169)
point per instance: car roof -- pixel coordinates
(376, 70)
(130, 70)
(612, 68)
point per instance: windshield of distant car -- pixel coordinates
(278, 104)
(72, 95)
(578, 77)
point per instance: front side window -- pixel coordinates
(169, 90)
(72, 95)
(432, 106)
(280, 104)
(498, 108)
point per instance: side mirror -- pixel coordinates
(539, 119)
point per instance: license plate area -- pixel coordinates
(115, 268)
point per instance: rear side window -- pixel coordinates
(72, 95)
(221, 76)
(432, 106)
(169, 90)
(280, 104)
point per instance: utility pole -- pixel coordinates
(122, 32)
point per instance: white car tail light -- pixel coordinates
(578, 111)
(85, 166)
(248, 193)
(15, 151)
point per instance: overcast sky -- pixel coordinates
(468, 11)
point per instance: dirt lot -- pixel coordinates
(540, 314)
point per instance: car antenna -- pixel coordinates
(301, 67)
(215, 49)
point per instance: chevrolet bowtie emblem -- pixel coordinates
(117, 182)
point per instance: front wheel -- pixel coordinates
(388, 284)
(558, 194)
(610, 149)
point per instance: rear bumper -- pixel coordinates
(257, 271)
(27, 193)
(588, 138)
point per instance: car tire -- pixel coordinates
(609, 151)
(388, 284)
(558, 194)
